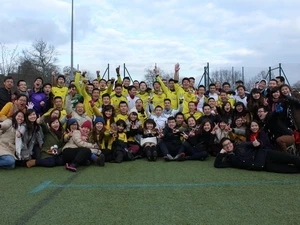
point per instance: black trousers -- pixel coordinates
(194, 152)
(52, 161)
(282, 162)
(77, 156)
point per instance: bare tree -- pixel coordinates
(250, 83)
(42, 56)
(296, 86)
(225, 76)
(9, 60)
(150, 77)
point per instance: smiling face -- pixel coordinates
(261, 113)
(108, 113)
(222, 125)
(79, 108)
(149, 126)
(55, 125)
(21, 102)
(20, 118)
(99, 126)
(256, 95)
(239, 108)
(227, 146)
(239, 122)
(207, 127)
(32, 117)
(22, 86)
(73, 126)
(276, 94)
(254, 127)
(85, 131)
(133, 116)
(285, 90)
(191, 122)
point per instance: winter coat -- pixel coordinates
(76, 141)
(30, 139)
(50, 139)
(7, 138)
(244, 156)
(274, 126)
(293, 104)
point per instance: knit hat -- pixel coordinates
(71, 121)
(87, 124)
(98, 119)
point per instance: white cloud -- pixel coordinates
(140, 33)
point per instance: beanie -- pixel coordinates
(98, 119)
(87, 124)
(71, 121)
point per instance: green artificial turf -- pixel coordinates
(141, 192)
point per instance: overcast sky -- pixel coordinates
(250, 33)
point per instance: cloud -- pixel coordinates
(140, 33)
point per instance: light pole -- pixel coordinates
(72, 72)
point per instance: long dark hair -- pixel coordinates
(60, 131)
(96, 135)
(29, 125)
(107, 108)
(248, 128)
(201, 130)
(13, 119)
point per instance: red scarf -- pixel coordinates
(253, 136)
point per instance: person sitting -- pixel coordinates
(193, 145)
(170, 143)
(276, 128)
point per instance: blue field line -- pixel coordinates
(41, 187)
(49, 184)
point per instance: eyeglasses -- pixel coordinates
(227, 144)
(260, 111)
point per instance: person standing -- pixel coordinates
(5, 91)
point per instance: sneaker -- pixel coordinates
(71, 167)
(168, 157)
(149, 155)
(154, 155)
(100, 160)
(180, 157)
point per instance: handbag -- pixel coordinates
(297, 136)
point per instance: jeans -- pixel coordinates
(7, 162)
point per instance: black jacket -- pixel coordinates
(5, 97)
(244, 156)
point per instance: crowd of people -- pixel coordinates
(97, 121)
